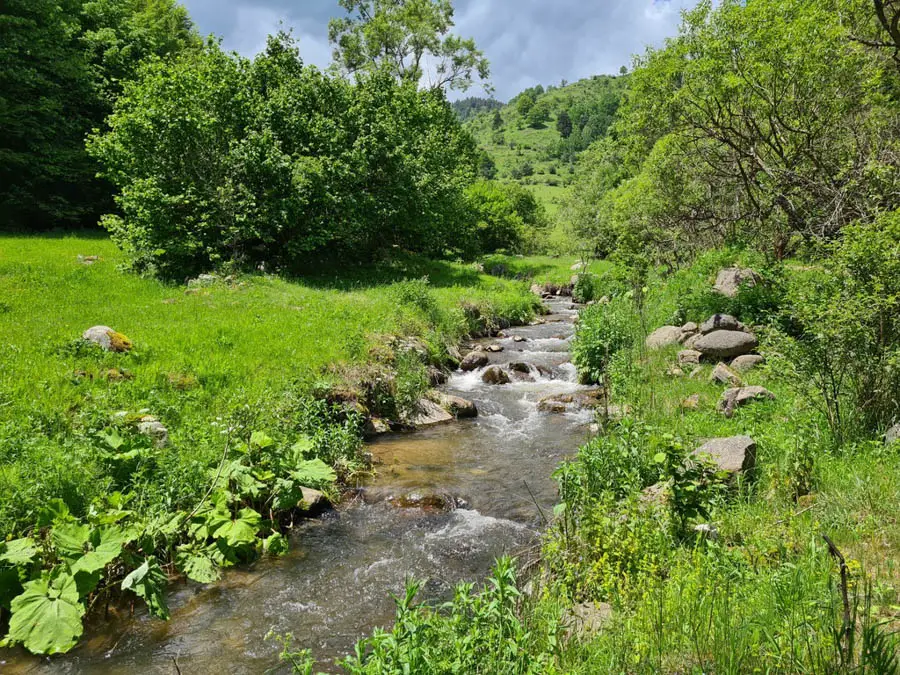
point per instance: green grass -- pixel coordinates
(200, 355)
(541, 269)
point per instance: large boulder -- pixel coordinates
(474, 361)
(721, 322)
(734, 454)
(747, 362)
(664, 337)
(495, 375)
(741, 396)
(107, 339)
(429, 413)
(725, 344)
(730, 280)
(457, 406)
(688, 331)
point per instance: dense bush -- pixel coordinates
(604, 330)
(507, 217)
(222, 160)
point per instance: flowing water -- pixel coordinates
(335, 585)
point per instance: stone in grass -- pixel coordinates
(474, 361)
(691, 403)
(893, 435)
(747, 362)
(689, 357)
(108, 339)
(588, 618)
(663, 337)
(723, 344)
(730, 280)
(725, 375)
(734, 454)
(495, 375)
(739, 397)
(721, 322)
(150, 426)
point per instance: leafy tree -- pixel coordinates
(402, 37)
(538, 114)
(497, 122)
(64, 63)
(564, 124)
(219, 159)
(524, 104)
(487, 167)
(507, 216)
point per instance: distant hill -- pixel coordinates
(468, 108)
(527, 142)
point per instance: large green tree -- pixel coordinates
(62, 62)
(410, 39)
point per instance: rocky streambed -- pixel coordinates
(446, 502)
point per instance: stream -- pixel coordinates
(335, 585)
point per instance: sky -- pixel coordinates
(528, 42)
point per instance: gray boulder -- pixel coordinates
(724, 344)
(495, 375)
(663, 337)
(688, 331)
(457, 406)
(730, 280)
(747, 362)
(429, 413)
(107, 339)
(721, 322)
(724, 375)
(313, 501)
(474, 361)
(893, 434)
(734, 454)
(689, 357)
(741, 396)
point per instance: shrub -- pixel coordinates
(602, 331)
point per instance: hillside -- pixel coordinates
(527, 146)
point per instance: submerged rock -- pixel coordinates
(435, 503)
(495, 375)
(107, 339)
(724, 344)
(734, 455)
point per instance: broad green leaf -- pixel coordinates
(302, 448)
(149, 582)
(112, 438)
(197, 565)
(71, 539)
(55, 511)
(46, 617)
(237, 531)
(659, 458)
(314, 473)
(106, 545)
(276, 544)
(18, 551)
(260, 440)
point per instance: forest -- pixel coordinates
(307, 270)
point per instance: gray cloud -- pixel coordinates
(527, 41)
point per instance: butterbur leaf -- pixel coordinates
(18, 551)
(260, 440)
(197, 565)
(302, 448)
(55, 511)
(70, 539)
(46, 617)
(276, 544)
(149, 583)
(659, 458)
(105, 546)
(237, 531)
(314, 473)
